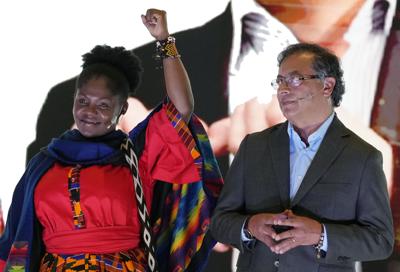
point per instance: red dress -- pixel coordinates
(107, 195)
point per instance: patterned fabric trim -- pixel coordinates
(184, 133)
(17, 259)
(144, 217)
(74, 189)
(133, 260)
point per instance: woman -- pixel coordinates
(82, 203)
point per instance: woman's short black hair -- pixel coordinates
(325, 64)
(120, 67)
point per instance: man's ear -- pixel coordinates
(329, 85)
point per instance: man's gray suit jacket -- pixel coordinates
(344, 188)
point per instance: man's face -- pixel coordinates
(304, 103)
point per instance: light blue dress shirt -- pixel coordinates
(301, 157)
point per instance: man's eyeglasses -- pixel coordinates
(291, 81)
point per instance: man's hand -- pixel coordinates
(260, 226)
(305, 231)
(226, 134)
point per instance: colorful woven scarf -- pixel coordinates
(183, 242)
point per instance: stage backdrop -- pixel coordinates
(229, 48)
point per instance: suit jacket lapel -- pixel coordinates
(331, 146)
(279, 148)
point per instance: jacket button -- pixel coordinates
(276, 263)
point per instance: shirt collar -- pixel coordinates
(315, 137)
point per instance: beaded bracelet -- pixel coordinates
(318, 246)
(166, 48)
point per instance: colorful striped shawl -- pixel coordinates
(181, 212)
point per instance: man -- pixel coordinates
(307, 194)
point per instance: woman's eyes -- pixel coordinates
(104, 106)
(101, 105)
(82, 101)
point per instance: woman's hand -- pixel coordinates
(177, 81)
(156, 22)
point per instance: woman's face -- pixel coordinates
(96, 109)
